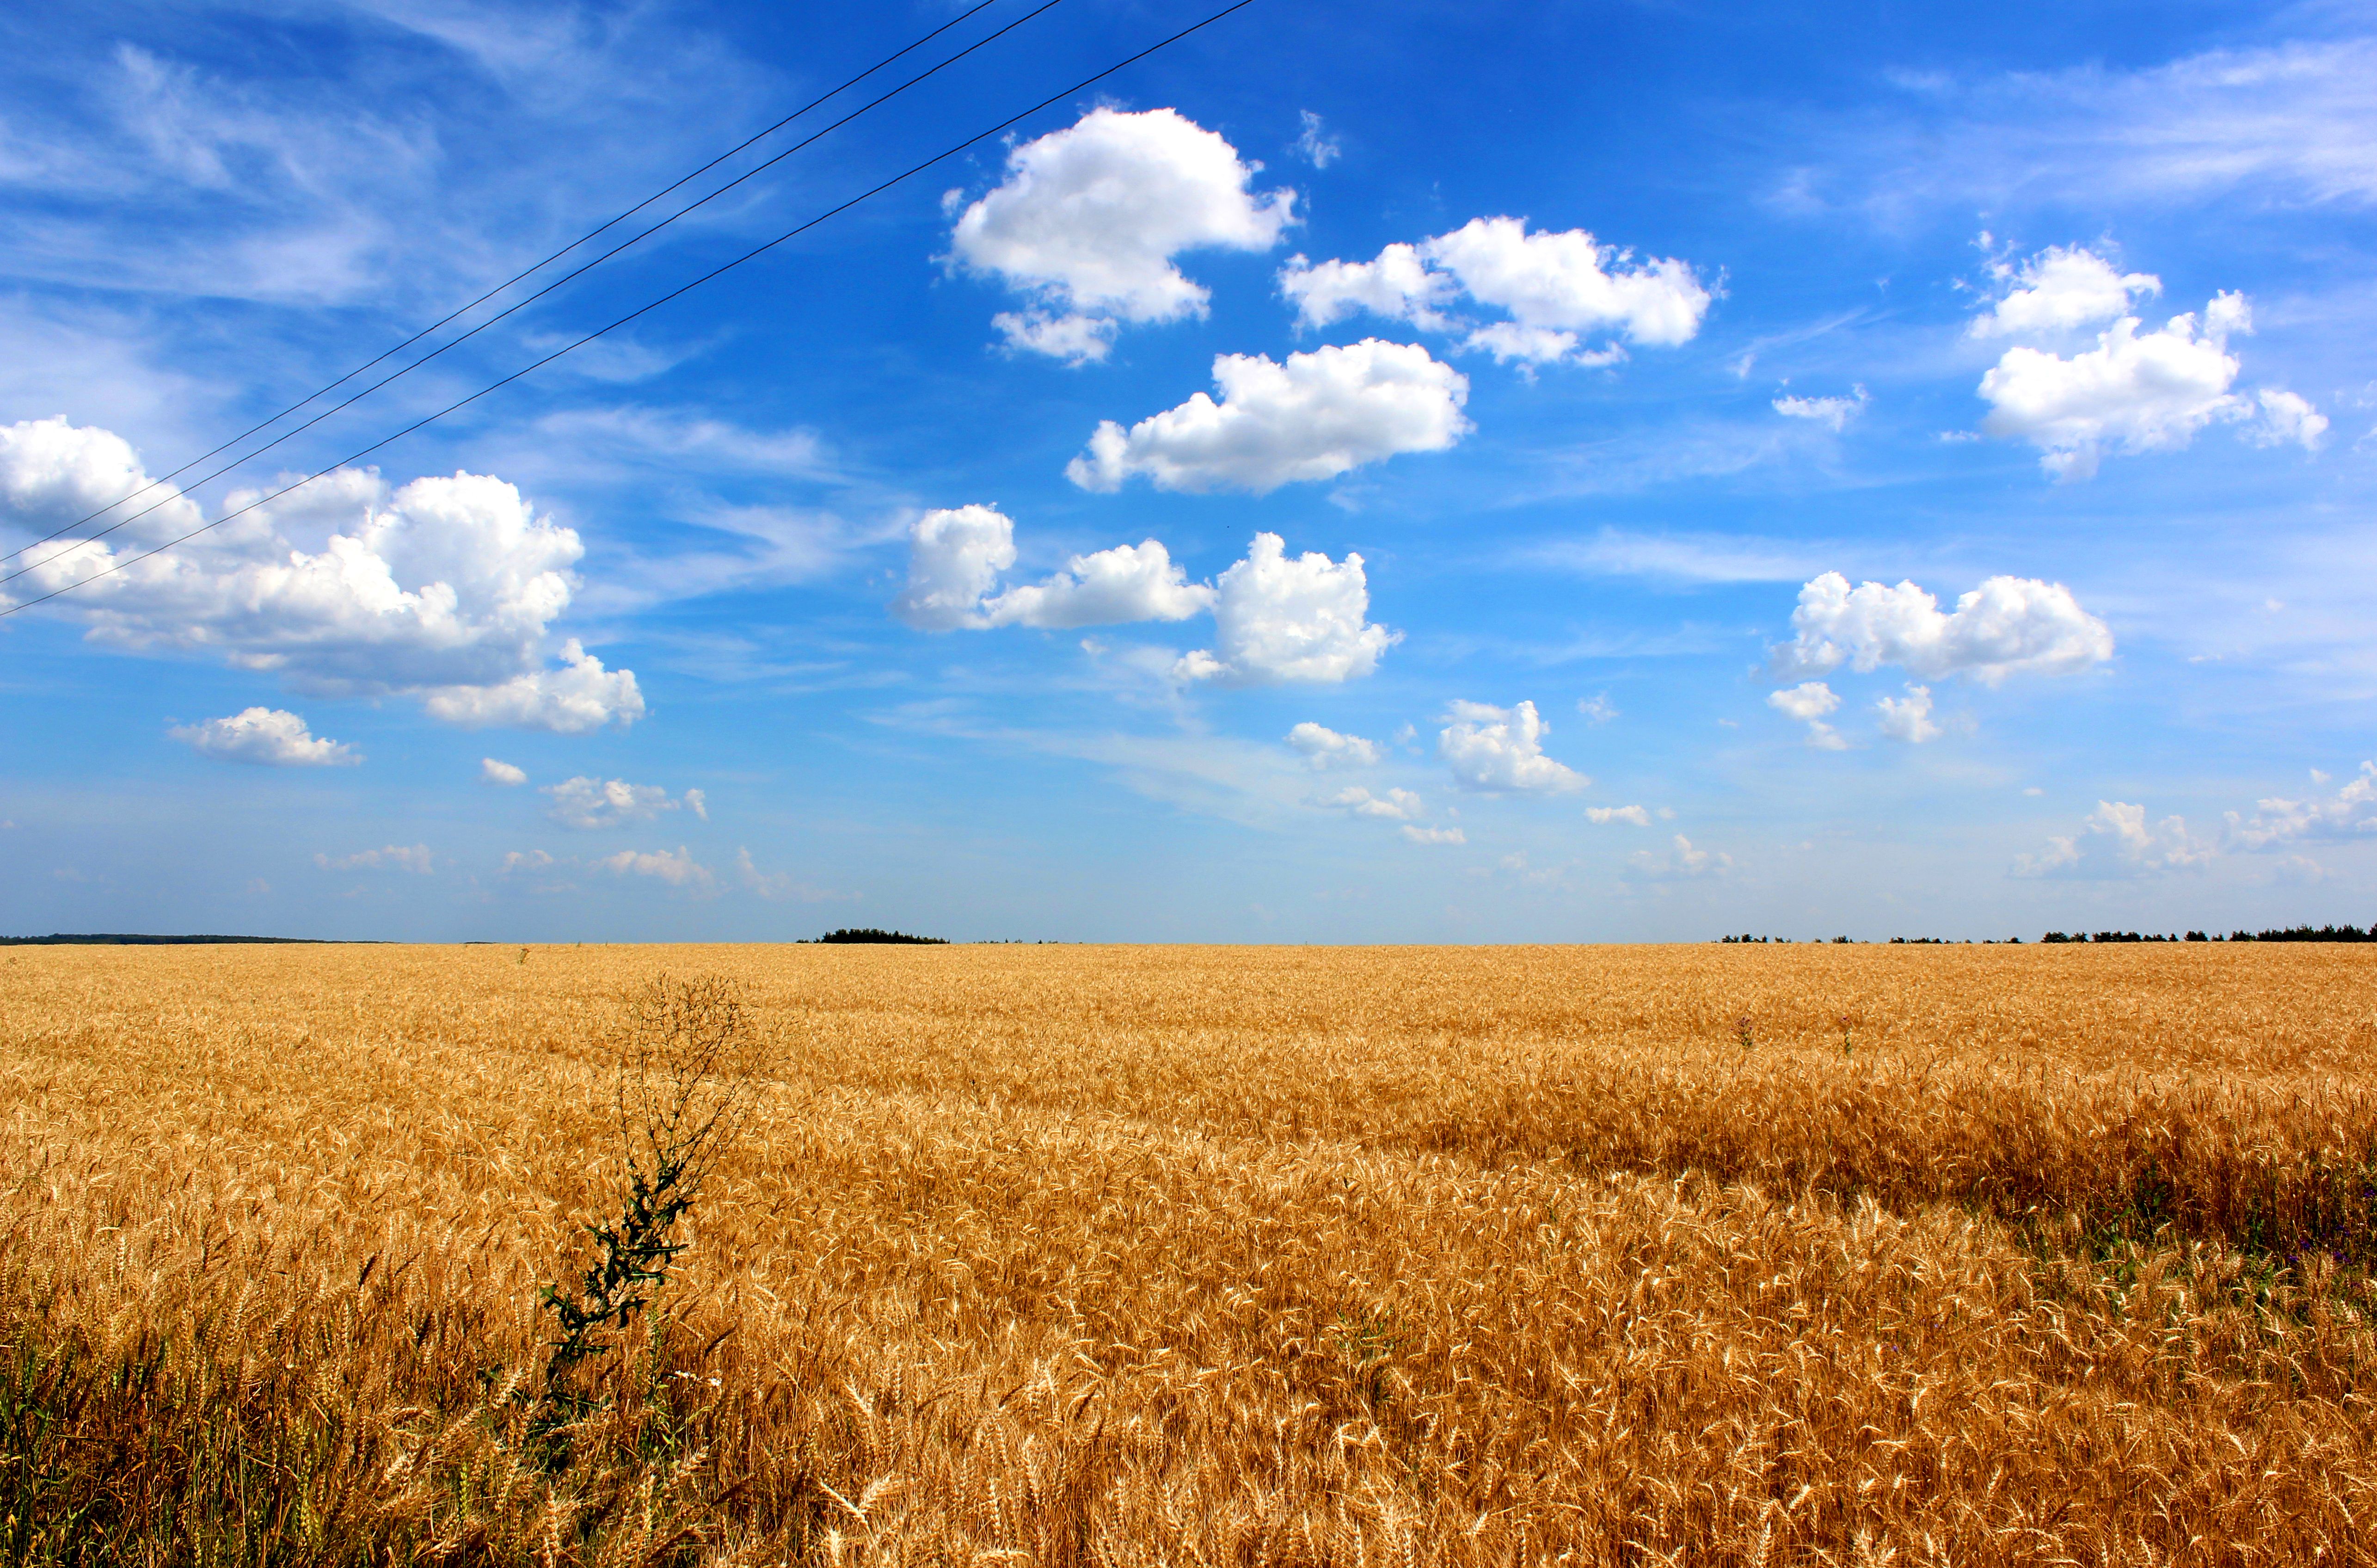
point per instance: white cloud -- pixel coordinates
(1311, 146)
(1555, 288)
(2130, 394)
(1679, 862)
(1605, 814)
(678, 868)
(954, 558)
(614, 803)
(1598, 708)
(269, 736)
(1129, 582)
(1807, 700)
(526, 860)
(1317, 417)
(2114, 840)
(1832, 413)
(394, 858)
(1089, 218)
(504, 774)
(2007, 626)
(2133, 391)
(1501, 749)
(2285, 420)
(578, 696)
(1398, 285)
(2349, 814)
(2059, 290)
(1566, 282)
(1277, 619)
(1395, 806)
(1908, 718)
(1324, 747)
(1808, 703)
(1434, 835)
(443, 589)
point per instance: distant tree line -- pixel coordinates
(2290, 934)
(1894, 941)
(869, 934)
(125, 938)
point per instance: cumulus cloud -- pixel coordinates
(1598, 708)
(1502, 749)
(1603, 814)
(1395, 806)
(1324, 747)
(503, 773)
(1434, 835)
(1808, 703)
(614, 803)
(1908, 718)
(2116, 841)
(572, 698)
(2007, 626)
(1832, 413)
(1556, 289)
(269, 736)
(954, 558)
(414, 858)
(1129, 582)
(2348, 815)
(1399, 285)
(443, 589)
(1277, 619)
(2130, 394)
(526, 860)
(1315, 416)
(2059, 290)
(677, 867)
(2134, 391)
(1088, 221)
(1679, 862)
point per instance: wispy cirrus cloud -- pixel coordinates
(2284, 124)
(1683, 559)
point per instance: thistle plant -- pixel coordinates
(685, 1077)
(1741, 1032)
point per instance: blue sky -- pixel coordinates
(1399, 474)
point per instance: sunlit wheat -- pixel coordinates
(1227, 1256)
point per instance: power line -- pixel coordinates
(900, 178)
(521, 305)
(529, 271)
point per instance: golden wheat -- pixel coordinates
(1066, 1255)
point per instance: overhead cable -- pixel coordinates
(517, 277)
(900, 178)
(351, 400)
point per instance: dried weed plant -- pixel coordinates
(688, 1067)
(1123, 1256)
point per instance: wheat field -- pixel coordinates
(1079, 1255)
